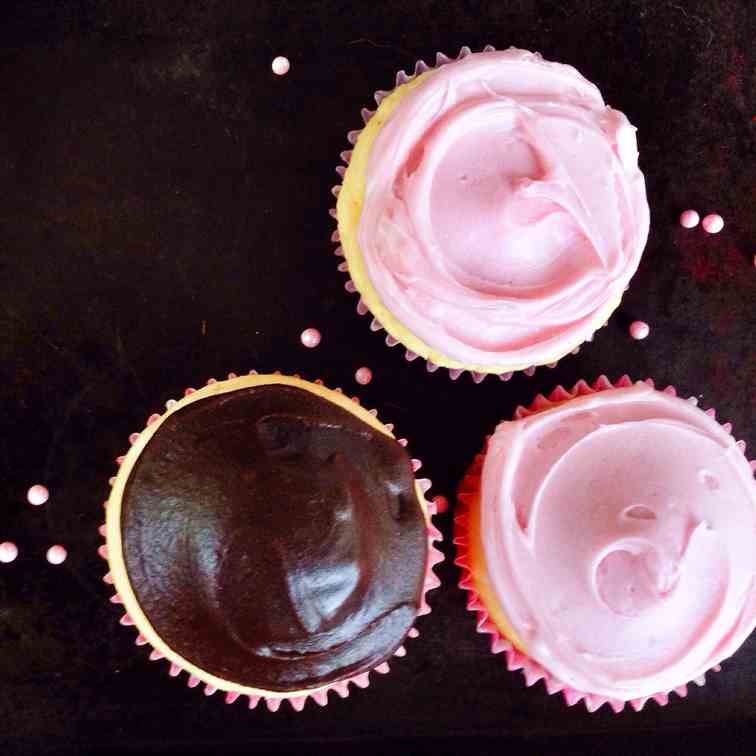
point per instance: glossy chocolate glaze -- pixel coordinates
(274, 539)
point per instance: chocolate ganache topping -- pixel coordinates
(274, 539)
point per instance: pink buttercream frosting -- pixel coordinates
(503, 209)
(618, 531)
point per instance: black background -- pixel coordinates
(164, 219)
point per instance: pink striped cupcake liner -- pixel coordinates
(341, 688)
(514, 658)
(402, 77)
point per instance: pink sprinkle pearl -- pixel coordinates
(363, 376)
(713, 223)
(280, 65)
(639, 329)
(442, 504)
(8, 552)
(689, 219)
(37, 495)
(56, 554)
(310, 337)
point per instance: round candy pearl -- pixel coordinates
(689, 219)
(363, 376)
(37, 495)
(442, 504)
(310, 337)
(280, 65)
(639, 329)
(713, 223)
(56, 554)
(8, 551)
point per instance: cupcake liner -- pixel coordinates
(343, 267)
(273, 699)
(469, 491)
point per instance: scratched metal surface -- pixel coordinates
(164, 219)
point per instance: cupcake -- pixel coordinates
(492, 212)
(267, 536)
(606, 537)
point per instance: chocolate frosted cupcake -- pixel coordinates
(267, 535)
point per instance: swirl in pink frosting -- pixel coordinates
(618, 531)
(503, 209)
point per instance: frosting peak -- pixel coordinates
(504, 211)
(618, 531)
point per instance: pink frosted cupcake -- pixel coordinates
(492, 212)
(607, 538)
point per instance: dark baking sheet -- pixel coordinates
(164, 219)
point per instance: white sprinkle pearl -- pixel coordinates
(56, 554)
(713, 223)
(280, 65)
(310, 337)
(639, 329)
(37, 495)
(363, 376)
(689, 219)
(8, 552)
